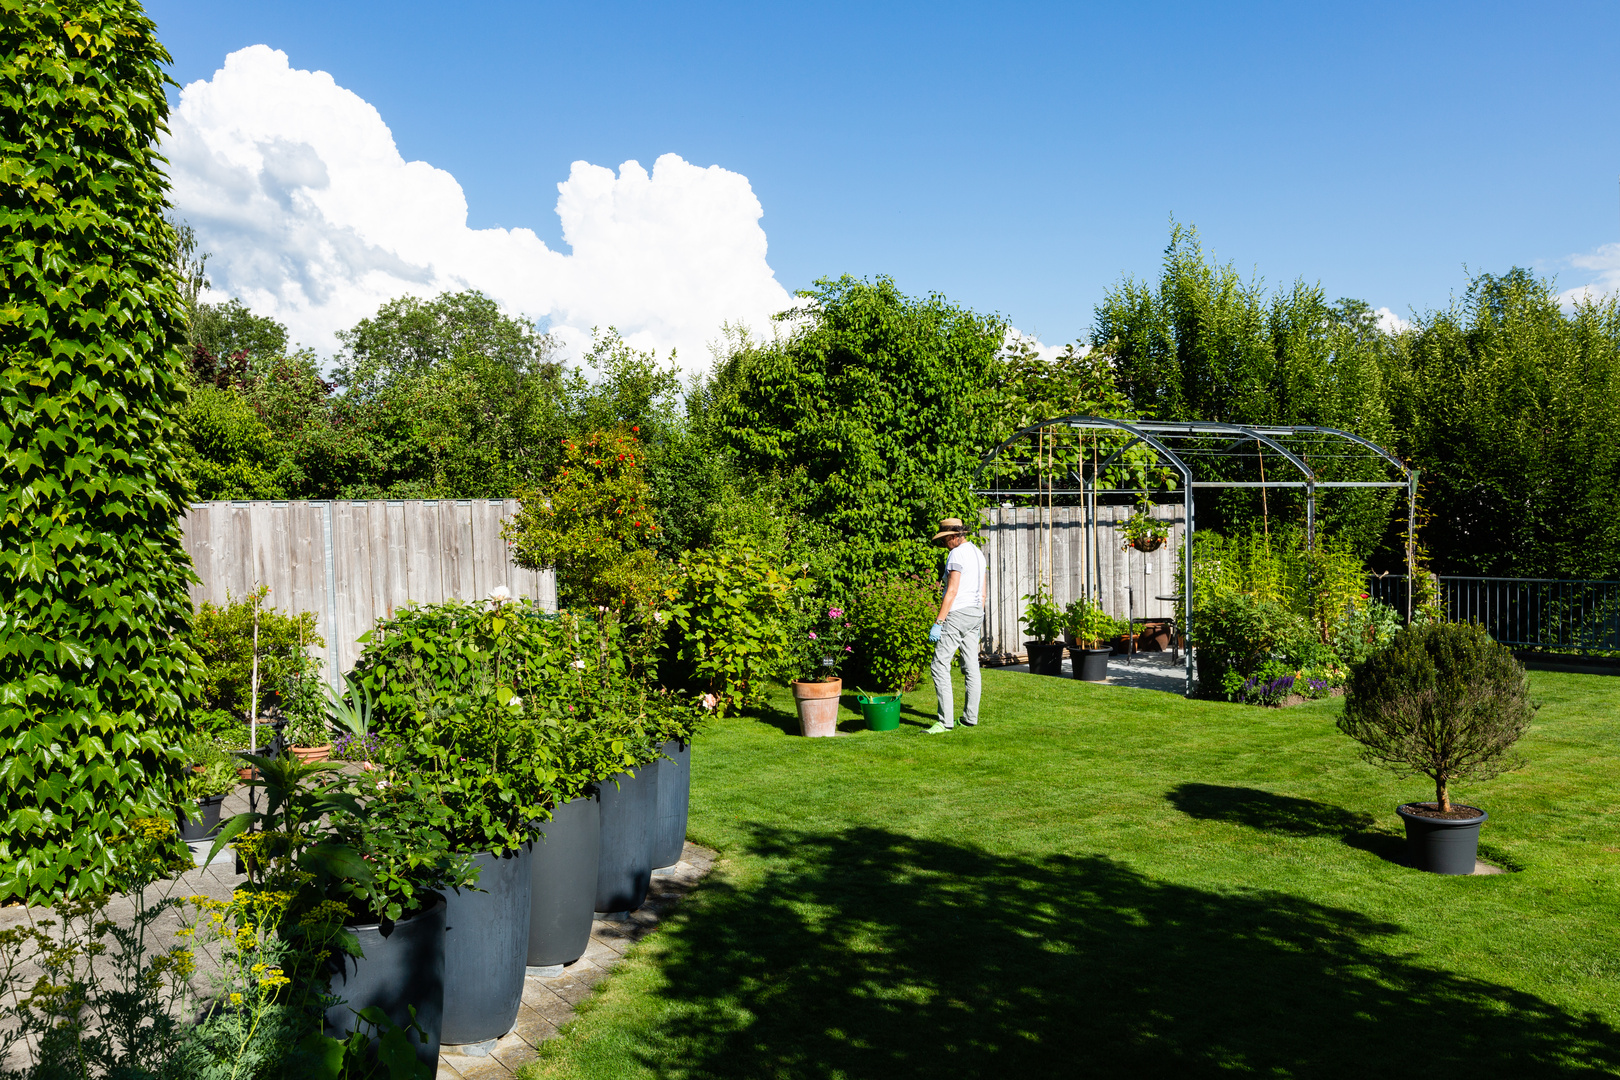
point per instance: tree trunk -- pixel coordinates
(1442, 797)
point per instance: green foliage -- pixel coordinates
(730, 612)
(875, 396)
(1043, 619)
(228, 329)
(288, 675)
(1141, 527)
(1237, 633)
(1088, 625)
(1321, 586)
(891, 619)
(1510, 407)
(1366, 628)
(410, 337)
(94, 661)
(214, 769)
(1203, 344)
(1443, 700)
(228, 450)
(594, 523)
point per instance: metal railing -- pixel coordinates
(1531, 613)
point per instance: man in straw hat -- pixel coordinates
(961, 613)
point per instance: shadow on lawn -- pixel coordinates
(867, 954)
(1269, 812)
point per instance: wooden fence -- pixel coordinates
(355, 562)
(1015, 545)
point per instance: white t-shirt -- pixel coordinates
(970, 561)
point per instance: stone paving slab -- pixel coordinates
(548, 1003)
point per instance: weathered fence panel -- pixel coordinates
(352, 563)
(1015, 541)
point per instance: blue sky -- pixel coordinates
(1017, 158)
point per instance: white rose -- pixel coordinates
(580, 664)
(500, 594)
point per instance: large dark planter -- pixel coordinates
(674, 794)
(401, 968)
(624, 865)
(1045, 657)
(486, 949)
(563, 871)
(1089, 664)
(1441, 846)
(206, 823)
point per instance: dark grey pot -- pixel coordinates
(1439, 846)
(674, 795)
(1090, 664)
(206, 823)
(486, 948)
(563, 870)
(401, 968)
(624, 863)
(1045, 657)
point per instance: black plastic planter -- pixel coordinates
(486, 948)
(206, 823)
(624, 865)
(1089, 664)
(1045, 657)
(401, 968)
(563, 870)
(1441, 846)
(674, 793)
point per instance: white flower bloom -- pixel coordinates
(516, 702)
(500, 594)
(580, 664)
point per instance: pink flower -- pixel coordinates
(848, 649)
(710, 701)
(812, 635)
(835, 613)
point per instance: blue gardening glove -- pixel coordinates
(934, 632)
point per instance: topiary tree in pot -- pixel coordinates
(1446, 701)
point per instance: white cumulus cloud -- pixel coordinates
(310, 214)
(1391, 323)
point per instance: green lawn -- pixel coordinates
(1101, 881)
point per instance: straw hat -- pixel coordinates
(949, 527)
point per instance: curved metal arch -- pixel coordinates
(1088, 422)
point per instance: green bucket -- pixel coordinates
(882, 711)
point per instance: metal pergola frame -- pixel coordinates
(1180, 444)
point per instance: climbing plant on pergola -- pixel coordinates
(1082, 457)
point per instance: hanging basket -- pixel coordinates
(1148, 543)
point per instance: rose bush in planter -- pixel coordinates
(1446, 701)
(823, 647)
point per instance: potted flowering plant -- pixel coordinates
(823, 648)
(1145, 533)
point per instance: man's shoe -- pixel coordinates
(937, 729)
(969, 723)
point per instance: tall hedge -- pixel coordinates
(93, 603)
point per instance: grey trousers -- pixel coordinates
(961, 632)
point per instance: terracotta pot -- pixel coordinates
(817, 703)
(246, 774)
(312, 753)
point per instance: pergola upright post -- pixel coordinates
(1411, 539)
(1187, 579)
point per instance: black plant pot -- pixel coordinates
(624, 865)
(1089, 664)
(403, 967)
(1045, 657)
(206, 823)
(1441, 846)
(563, 870)
(674, 793)
(486, 948)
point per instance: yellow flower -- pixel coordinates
(236, 999)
